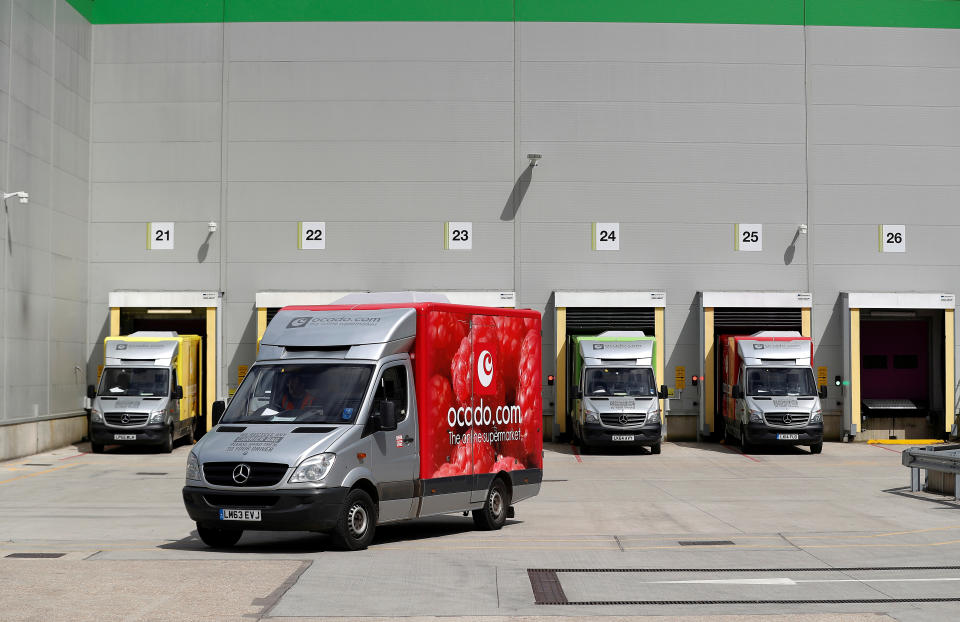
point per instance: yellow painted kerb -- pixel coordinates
(561, 386)
(805, 324)
(114, 321)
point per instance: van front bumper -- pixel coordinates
(154, 434)
(280, 510)
(599, 434)
(762, 434)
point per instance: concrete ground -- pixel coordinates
(700, 532)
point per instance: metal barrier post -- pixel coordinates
(914, 480)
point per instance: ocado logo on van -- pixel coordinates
(485, 368)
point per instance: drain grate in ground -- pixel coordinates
(705, 542)
(35, 555)
(37, 464)
(148, 473)
(547, 589)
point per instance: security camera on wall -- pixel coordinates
(23, 196)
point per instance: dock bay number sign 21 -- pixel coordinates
(160, 236)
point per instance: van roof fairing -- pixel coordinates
(343, 327)
(596, 352)
(151, 351)
(755, 352)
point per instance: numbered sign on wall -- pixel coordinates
(893, 238)
(606, 236)
(458, 236)
(748, 237)
(312, 235)
(159, 236)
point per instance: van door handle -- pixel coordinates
(408, 439)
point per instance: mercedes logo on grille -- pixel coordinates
(125, 418)
(624, 420)
(241, 473)
(787, 419)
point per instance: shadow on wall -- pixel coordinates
(204, 248)
(516, 195)
(245, 352)
(791, 251)
(95, 358)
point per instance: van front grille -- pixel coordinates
(125, 419)
(787, 420)
(623, 420)
(257, 473)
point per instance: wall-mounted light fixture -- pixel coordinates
(212, 226)
(534, 158)
(23, 196)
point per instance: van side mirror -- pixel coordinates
(822, 392)
(91, 391)
(387, 418)
(737, 392)
(664, 393)
(177, 393)
(216, 412)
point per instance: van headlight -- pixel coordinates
(156, 416)
(591, 417)
(756, 416)
(96, 416)
(193, 467)
(313, 469)
(653, 417)
(816, 416)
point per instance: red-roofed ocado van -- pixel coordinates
(354, 416)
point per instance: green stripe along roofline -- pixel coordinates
(878, 13)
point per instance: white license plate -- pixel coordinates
(788, 437)
(622, 437)
(124, 437)
(253, 515)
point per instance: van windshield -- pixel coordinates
(306, 393)
(615, 381)
(780, 381)
(134, 382)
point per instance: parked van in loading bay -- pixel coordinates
(354, 416)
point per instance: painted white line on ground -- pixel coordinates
(788, 581)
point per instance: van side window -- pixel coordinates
(392, 387)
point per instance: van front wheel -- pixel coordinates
(493, 514)
(357, 521)
(219, 538)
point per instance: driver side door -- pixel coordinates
(396, 454)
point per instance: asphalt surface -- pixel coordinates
(700, 532)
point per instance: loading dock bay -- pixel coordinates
(91, 537)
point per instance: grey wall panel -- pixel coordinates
(661, 202)
(859, 244)
(885, 125)
(29, 313)
(886, 86)
(241, 325)
(6, 9)
(30, 131)
(246, 279)
(127, 242)
(72, 111)
(174, 161)
(662, 122)
(352, 41)
(71, 195)
(31, 85)
(924, 47)
(71, 154)
(27, 171)
(276, 242)
(373, 161)
(74, 30)
(28, 271)
(29, 226)
(156, 122)
(880, 203)
(671, 43)
(70, 278)
(157, 82)
(32, 38)
(364, 80)
(156, 201)
(892, 277)
(662, 82)
(67, 236)
(670, 162)
(174, 276)
(157, 43)
(366, 120)
(368, 201)
(41, 11)
(72, 69)
(875, 164)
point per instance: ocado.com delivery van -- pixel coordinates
(354, 416)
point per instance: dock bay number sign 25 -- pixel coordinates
(748, 237)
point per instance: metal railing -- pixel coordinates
(939, 458)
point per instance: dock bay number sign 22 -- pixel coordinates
(311, 235)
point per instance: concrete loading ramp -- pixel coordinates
(899, 365)
(187, 312)
(742, 313)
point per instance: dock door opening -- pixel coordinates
(740, 313)
(899, 365)
(591, 313)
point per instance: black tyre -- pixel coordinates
(219, 538)
(96, 448)
(727, 437)
(493, 514)
(655, 449)
(357, 522)
(167, 445)
(745, 445)
(816, 447)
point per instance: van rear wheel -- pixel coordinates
(219, 538)
(357, 522)
(493, 514)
